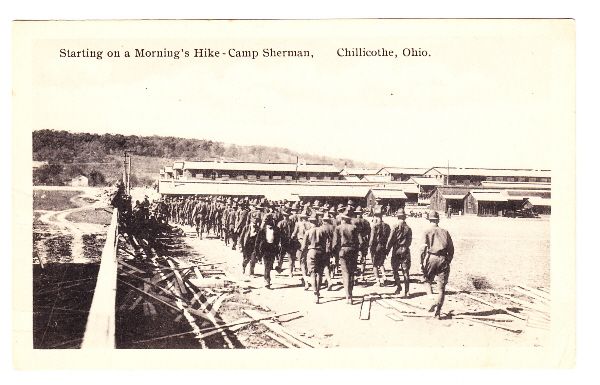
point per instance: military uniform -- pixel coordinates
(437, 254)
(346, 244)
(399, 243)
(378, 238)
(267, 246)
(317, 241)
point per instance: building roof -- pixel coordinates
(377, 178)
(351, 178)
(388, 194)
(523, 194)
(334, 191)
(467, 171)
(404, 170)
(451, 191)
(516, 185)
(359, 171)
(262, 167)
(489, 196)
(178, 166)
(423, 181)
(168, 169)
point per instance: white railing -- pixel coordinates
(100, 327)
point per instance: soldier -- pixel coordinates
(364, 231)
(436, 255)
(316, 243)
(248, 244)
(346, 244)
(286, 228)
(298, 238)
(380, 232)
(239, 224)
(399, 242)
(267, 246)
(328, 229)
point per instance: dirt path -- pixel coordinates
(57, 222)
(333, 323)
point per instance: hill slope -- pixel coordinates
(100, 157)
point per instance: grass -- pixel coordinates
(53, 200)
(100, 217)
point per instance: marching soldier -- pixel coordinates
(286, 227)
(364, 230)
(399, 242)
(267, 246)
(316, 243)
(436, 256)
(332, 263)
(380, 232)
(298, 238)
(346, 244)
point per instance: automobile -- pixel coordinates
(522, 213)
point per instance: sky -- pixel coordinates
(488, 94)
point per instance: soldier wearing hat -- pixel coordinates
(316, 242)
(298, 238)
(240, 223)
(378, 238)
(364, 231)
(399, 243)
(437, 252)
(345, 244)
(286, 227)
(328, 229)
(267, 246)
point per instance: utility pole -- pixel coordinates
(448, 174)
(127, 172)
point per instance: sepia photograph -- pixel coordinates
(295, 185)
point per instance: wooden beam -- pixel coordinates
(100, 326)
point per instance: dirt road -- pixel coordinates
(333, 323)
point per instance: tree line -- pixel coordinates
(70, 154)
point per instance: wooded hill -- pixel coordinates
(100, 157)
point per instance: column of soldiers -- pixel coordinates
(322, 239)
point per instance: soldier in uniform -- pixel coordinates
(364, 230)
(436, 255)
(316, 243)
(380, 232)
(346, 244)
(399, 242)
(267, 247)
(328, 229)
(285, 227)
(240, 222)
(298, 238)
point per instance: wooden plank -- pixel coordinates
(178, 278)
(151, 296)
(131, 267)
(136, 302)
(279, 329)
(100, 326)
(493, 306)
(525, 304)
(516, 331)
(218, 329)
(541, 293)
(531, 294)
(365, 309)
